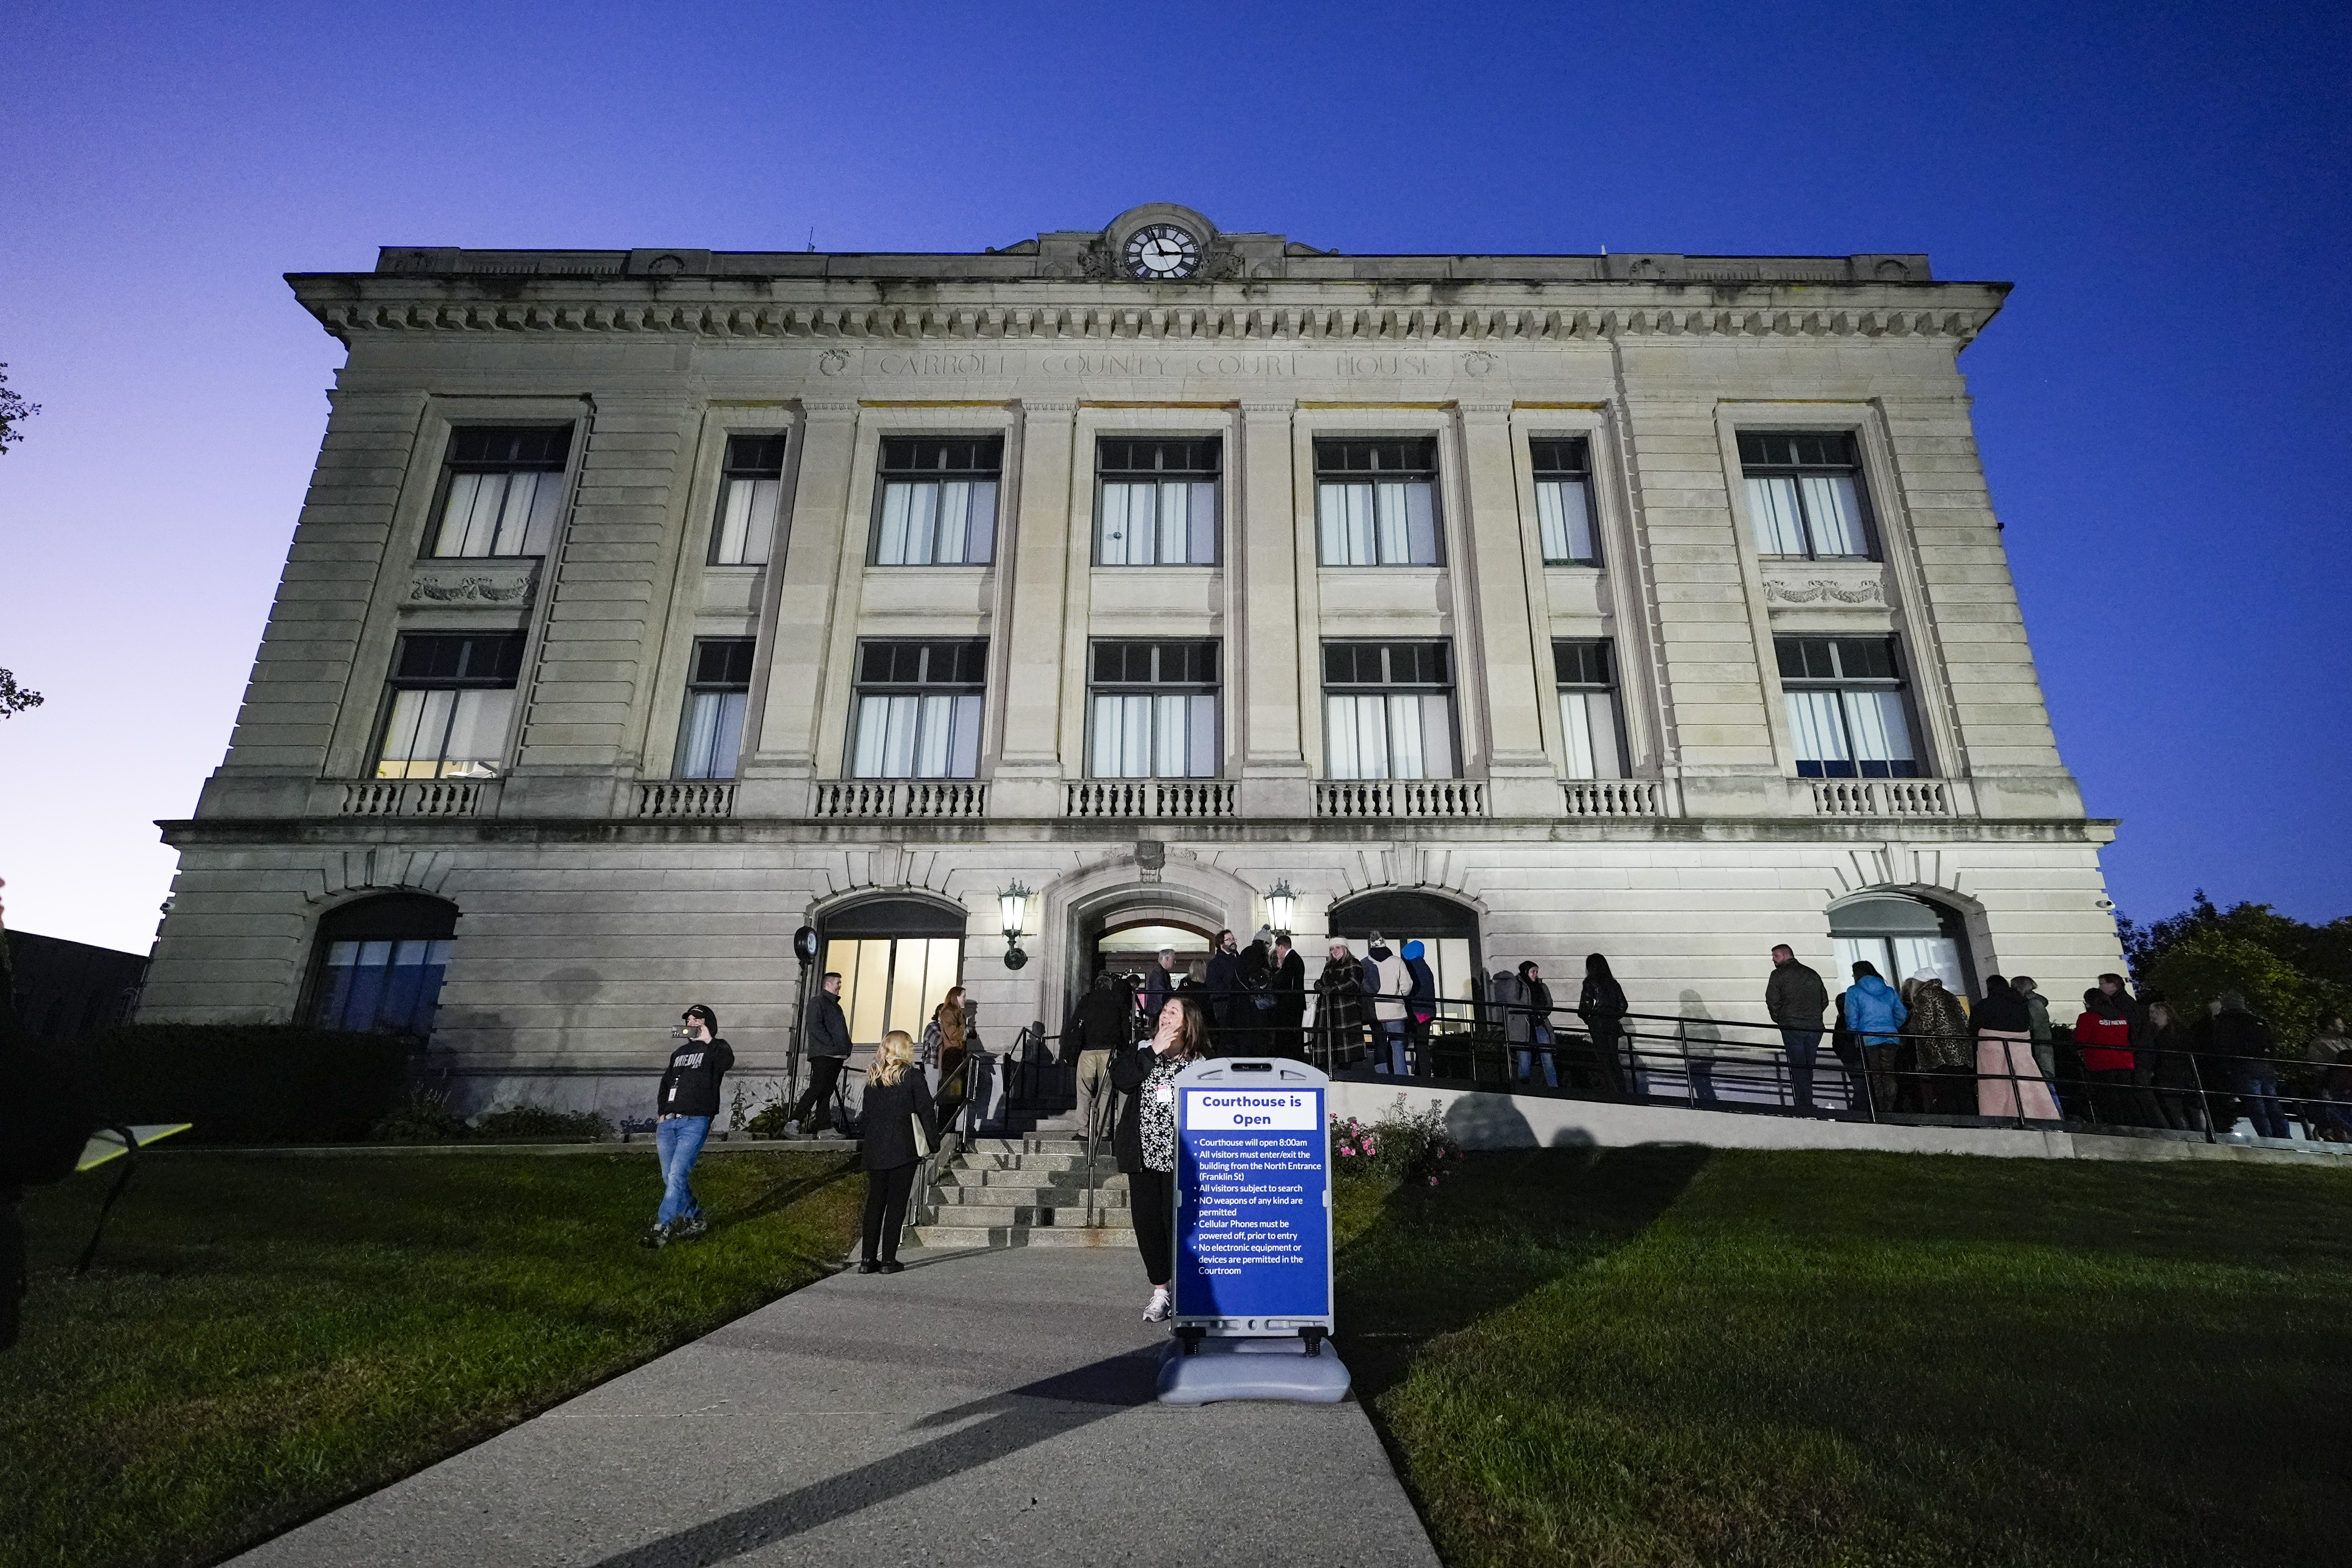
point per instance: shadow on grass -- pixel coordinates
(1434, 1260)
(783, 1195)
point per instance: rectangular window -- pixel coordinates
(1847, 713)
(1158, 501)
(1376, 502)
(939, 501)
(1154, 710)
(502, 489)
(1388, 710)
(1563, 473)
(1589, 719)
(1804, 489)
(452, 704)
(750, 491)
(718, 685)
(918, 710)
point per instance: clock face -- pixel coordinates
(1163, 250)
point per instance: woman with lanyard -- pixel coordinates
(1145, 1140)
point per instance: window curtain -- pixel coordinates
(1399, 736)
(937, 522)
(746, 522)
(1588, 722)
(1564, 522)
(714, 736)
(447, 734)
(1154, 736)
(1819, 733)
(498, 514)
(917, 736)
(1389, 523)
(1779, 525)
(1169, 523)
(1880, 734)
(1834, 514)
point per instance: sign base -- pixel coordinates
(1252, 1369)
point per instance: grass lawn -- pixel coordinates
(263, 1338)
(1670, 1356)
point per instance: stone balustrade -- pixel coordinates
(903, 799)
(421, 797)
(1613, 797)
(1202, 800)
(686, 799)
(1881, 797)
(1390, 799)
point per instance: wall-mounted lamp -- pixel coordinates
(1281, 903)
(1013, 906)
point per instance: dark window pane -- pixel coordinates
(1867, 658)
(1414, 458)
(1560, 459)
(1129, 455)
(963, 456)
(1581, 662)
(1818, 450)
(756, 457)
(723, 662)
(510, 447)
(495, 660)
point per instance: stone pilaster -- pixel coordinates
(798, 630)
(1497, 633)
(1026, 674)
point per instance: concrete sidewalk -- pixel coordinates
(981, 1408)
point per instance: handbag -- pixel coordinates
(922, 1139)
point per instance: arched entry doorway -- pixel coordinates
(1130, 948)
(1903, 936)
(1447, 929)
(896, 959)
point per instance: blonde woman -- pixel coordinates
(943, 1040)
(898, 1107)
(1145, 1140)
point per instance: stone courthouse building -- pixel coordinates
(648, 605)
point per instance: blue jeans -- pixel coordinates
(2258, 1089)
(678, 1140)
(1392, 1034)
(1800, 1045)
(1540, 1048)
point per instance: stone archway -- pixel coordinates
(1079, 907)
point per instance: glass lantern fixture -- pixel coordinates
(1013, 905)
(1281, 904)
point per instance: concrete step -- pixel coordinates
(1001, 1235)
(1074, 1180)
(1060, 1196)
(1000, 1216)
(1029, 1162)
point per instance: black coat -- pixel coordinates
(1158, 986)
(1290, 983)
(1602, 999)
(1101, 1022)
(828, 1031)
(888, 1121)
(1225, 998)
(1127, 1071)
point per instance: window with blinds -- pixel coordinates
(502, 490)
(937, 506)
(918, 710)
(1805, 496)
(1376, 502)
(718, 686)
(750, 494)
(1154, 710)
(1592, 731)
(1563, 478)
(452, 704)
(1387, 710)
(1849, 714)
(1158, 501)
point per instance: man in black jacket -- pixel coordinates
(1158, 986)
(1286, 978)
(687, 1100)
(1099, 1026)
(824, 1040)
(1795, 999)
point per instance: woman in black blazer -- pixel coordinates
(1145, 1138)
(897, 1101)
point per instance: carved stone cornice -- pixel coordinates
(1828, 589)
(447, 582)
(1294, 313)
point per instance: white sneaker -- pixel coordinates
(792, 1128)
(1156, 1311)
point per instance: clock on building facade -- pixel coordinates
(1162, 250)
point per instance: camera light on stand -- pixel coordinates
(1281, 903)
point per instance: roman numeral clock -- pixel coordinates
(1160, 252)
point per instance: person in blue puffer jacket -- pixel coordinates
(1419, 1002)
(1873, 1014)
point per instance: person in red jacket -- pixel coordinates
(2102, 1035)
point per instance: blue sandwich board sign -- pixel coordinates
(1253, 1200)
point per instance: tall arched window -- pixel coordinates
(1448, 930)
(1902, 936)
(380, 964)
(897, 959)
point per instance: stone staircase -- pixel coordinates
(1026, 1191)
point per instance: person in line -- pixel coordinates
(2174, 1068)
(1847, 1047)
(2102, 1037)
(1386, 983)
(2008, 1081)
(2242, 1038)
(825, 1043)
(683, 1106)
(1875, 1015)
(1527, 1021)
(1145, 1141)
(1287, 980)
(2037, 1009)
(1795, 999)
(1420, 1001)
(1339, 1008)
(1946, 1056)
(942, 1046)
(1099, 1026)
(1255, 1011)
(1158, 986)
(1227, 1001)
(2330, 1113)
(899, 1128)
(1601, 1003)
(986, 1085)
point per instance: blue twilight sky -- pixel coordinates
(2162, 405)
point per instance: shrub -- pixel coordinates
(1413, 1149)
(425, 1117)
(517, 1121)
(249, 1083)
